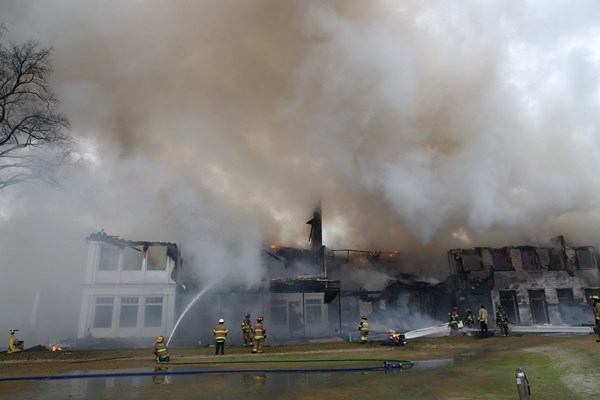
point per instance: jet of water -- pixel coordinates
(186, 310)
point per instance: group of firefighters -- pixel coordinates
(482, 317)
(254, 335)
(502, 319)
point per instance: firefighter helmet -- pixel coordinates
(160, 339)
(595, 297)
(259, 319)
(221, 321)
(363, 317)
(247, 315)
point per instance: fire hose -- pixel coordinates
(387, 364)
(404, 363)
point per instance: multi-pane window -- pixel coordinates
(278, 312)
(314, 311)
(129, 312)
(104, 312)
(109, 258)
(153, 312)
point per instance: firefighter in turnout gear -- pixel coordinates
(453, 320)
(247, 331)
(160, 350)
(363, 330)
(469, 319)
(596, 311)
(14, 345)
(260, 333)
(483, 321)
(502, 320)
(220, 332)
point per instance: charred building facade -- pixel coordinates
(535, 285)
(137, 289)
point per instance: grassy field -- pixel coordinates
(558, 367)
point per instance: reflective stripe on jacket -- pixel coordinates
(483, 315)
(363, 326)
(160, 349)
(246, 325)
(259, 331)
(501, 318)
(220, 332)
(597, 310)
(453, 319)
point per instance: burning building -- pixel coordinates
(535, 285)
(137, 289)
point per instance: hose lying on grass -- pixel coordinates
(400, 363)
(387, 364)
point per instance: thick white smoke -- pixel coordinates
(216, 125)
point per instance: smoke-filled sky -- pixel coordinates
(219, 124)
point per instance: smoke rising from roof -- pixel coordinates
(218, 124)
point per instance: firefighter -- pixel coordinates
(363, 330)
(247, 331)
(14, 345)
(596, 311)
(469, 319)
(160, 350)
(260, 334)
(453, 320)
(502, 320)
(220, 332)
(483, 321)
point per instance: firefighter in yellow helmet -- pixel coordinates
(260, 333)
(596, 310)
(220, 332)
(160, 350)
(363, 329)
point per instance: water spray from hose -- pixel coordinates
(208, 286)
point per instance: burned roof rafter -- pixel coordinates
(172, 249)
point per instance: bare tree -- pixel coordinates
(34, 136)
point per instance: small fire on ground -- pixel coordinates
(396, 338)
(54, 348)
